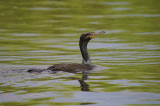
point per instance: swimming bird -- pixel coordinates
(75, 67)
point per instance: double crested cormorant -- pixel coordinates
(74, 67)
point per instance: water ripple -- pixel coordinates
(115, 3)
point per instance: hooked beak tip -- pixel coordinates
(98, 33)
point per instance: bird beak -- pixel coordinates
(97, 33)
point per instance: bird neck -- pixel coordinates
(84, 52)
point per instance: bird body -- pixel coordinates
(70, 67)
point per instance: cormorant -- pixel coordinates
(75, 67)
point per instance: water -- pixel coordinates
(37, 34)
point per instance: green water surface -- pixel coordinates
(39, 33)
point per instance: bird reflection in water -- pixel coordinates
(84, 86)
